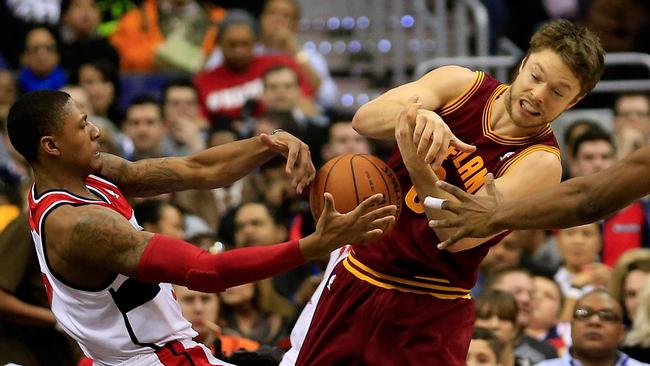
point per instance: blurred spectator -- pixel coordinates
(80, 41)
(279, 24)
(497, 311)
(225, 89)
(631, 122)
(618, 22)
(8, 92)
(342, 139)
(485, 349)
(182, 115)
(242, 315)
(100, 80)
(596, 331)
(145, 127)
(594, 151)
(505, 254)
(637, 341)
(520, 284)
(27, 333)
(40, 62)
(160, 217)
(581, 272)
(545, 322)
(80, 98)
(202, 310)
(629, 275)
(162, 34)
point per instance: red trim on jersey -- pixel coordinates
(48, 288)
(174, 354)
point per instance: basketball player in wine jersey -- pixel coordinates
(107, 281)
(403, 301)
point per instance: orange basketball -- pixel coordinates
(351, 178)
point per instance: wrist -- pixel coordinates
(310, 248)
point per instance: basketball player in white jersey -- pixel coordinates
(108, 281)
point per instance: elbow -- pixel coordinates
(359, 121)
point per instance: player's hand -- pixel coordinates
(473, 213)
(433, 137)
(404, 132)
(335, 229)
(299, 165)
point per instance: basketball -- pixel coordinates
(351, 178)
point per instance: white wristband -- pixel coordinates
(433, 202)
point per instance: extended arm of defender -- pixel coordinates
(211, 168)
(574, 202)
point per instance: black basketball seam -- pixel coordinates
(354, 178)
(327, 177)
(382, 178)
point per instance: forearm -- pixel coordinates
(15, 311)
(171, 260)
(376, 119)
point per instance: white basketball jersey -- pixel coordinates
(125, 321)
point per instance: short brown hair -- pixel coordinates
(499, 303)
(578, 47)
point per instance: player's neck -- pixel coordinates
(49, 179)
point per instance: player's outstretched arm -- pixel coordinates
(211, 168)
(432, 136)
(98, 238)
(574, 202)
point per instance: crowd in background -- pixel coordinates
(229, 75)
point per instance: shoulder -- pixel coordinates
(451, 74)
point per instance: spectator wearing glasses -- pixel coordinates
(596, 330)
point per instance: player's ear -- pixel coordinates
(49, 145)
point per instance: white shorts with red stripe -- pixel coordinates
(176, 353)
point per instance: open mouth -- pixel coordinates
(528, 108)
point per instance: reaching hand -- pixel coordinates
(433, 137)
(299, 165)
(335, 229)
(473, 213)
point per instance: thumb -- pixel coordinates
(328, 207)
(490, 187)
(460, 145)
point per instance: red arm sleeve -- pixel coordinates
(171, 260)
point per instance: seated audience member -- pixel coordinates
(343, 139)
(571, 133)
(631, 122)
(146, 129)
(40, 67)
(637, 341)
(182, 114)
(596, 332)
(505, 254)
(202, 310)
(485, 348)
(519, 283)
(100, 79)
(160, 217)
(161, 34)
(226, 89)
(497, 311)
(581, 272)
(243, 316)
(628, 278)
(545, 324)
(80, 40)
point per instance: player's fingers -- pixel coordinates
(292, 155)
(451, 206)
(460, 145)
(455, 191)
(490, 187)
(328, 206)
(366, 204)
(458, 235)
(427, 137)
(375, 214)
(371, 235)
(442, 155)
(434, 149)
(420, 125)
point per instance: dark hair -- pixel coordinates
(234, 17)
(569, 139)
(33, 116)
(499, 303)
(592, 134)
(142, 99)
(493, 342)
(179, 83)
(150, 210)
(278, 217)
(279, 67)
(578, 47)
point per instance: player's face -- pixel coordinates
(544, 88)
(480, 354)
(632, 287)
(78, 141)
